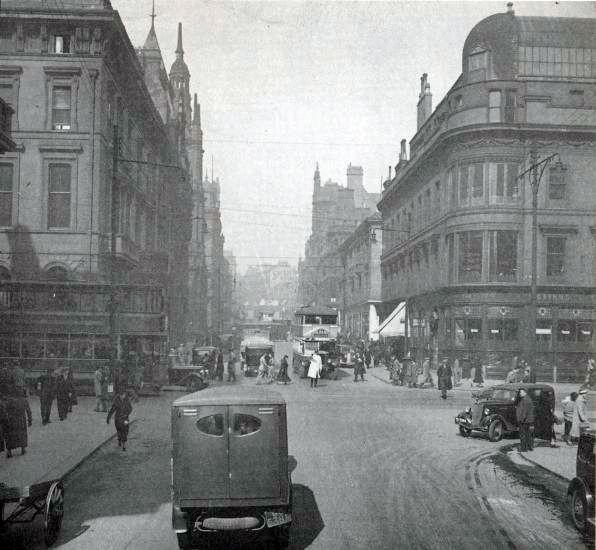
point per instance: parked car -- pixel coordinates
(230, 474)
(194, 376)
(493, 412)
(581, 487)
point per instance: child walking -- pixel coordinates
(121, 409)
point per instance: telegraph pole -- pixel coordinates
(536, 170)
(113, 228)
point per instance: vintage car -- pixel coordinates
(251, 351)
(230, 472)
(193, 376)
(581, 487)
(493, 412)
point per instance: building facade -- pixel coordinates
(458, 214)
(360, 256)
(336, 212)
(71, 75)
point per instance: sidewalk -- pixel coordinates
(58, 448)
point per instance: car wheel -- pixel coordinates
(495, 431)
(464, 432)
(579, 509)
(184, 541)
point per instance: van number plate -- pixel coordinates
(277, 518)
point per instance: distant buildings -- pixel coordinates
(458, 216)
(336, 213)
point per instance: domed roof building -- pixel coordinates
(518, 125)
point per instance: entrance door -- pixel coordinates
(201, 452)
(254, 451)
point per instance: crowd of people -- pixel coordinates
(267, 372)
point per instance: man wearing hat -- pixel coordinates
(444, 375)
(582, 411)
(524, 412)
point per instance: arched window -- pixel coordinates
(57, 273)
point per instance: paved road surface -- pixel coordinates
(375, 467)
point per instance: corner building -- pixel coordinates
(458, 217)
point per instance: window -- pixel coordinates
(494, 106)
(478, 181)
(468, 329)
(453, 184)
(6, 183)
(463, 185)
(470, 257)
(245, 424)
(7, 94)
(503, 255)
(477, 67)
(555, 256)
(510, 105)
(62, 43)
(503, 330)
(211, 425)
(556, 62)
(557, 182)
(512, 189)
(566, 331)
(59, 196)
(544, 329)
(437, 199)
(61, 102)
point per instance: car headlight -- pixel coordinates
(486, 410)
(469, 410)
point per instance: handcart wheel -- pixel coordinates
(54, 512)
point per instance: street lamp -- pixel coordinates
(536, 170)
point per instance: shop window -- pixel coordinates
(33, 346)
(503, 330)
(468, 329)
(6, 193)
(555, 256)
(544, 330)
(566, 331)
(585, 331)
(57, 345)
(102, 348)
(59, 196)
(211, 425)
(557, 182)
(503, 256)
(81, 347)
(470, 257)
(245, 424)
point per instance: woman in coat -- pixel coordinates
(282, 375)
(121, 409)
(444, 375)
(18, 417)
(62, 396)
(314, 369)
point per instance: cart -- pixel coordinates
(46, 497)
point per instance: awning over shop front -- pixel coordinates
(395, 322)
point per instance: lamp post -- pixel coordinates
(536, 170)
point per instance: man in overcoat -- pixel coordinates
(18, 416)
(444, 375)
(46, 385)
(524, 413)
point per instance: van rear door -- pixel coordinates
(201, 452)
(254, 451)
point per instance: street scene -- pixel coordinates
(212, 338)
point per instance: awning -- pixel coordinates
(394, 324)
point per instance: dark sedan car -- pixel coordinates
(581, 488)
(493, 412)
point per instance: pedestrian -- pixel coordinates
(314, 369)
(524, 413)
(220, 366)
(358, 366)
(121, 409)
(263, 369)
(426, 375)
(590, 374)
(18, 376)
(97, 387)
(568, 413)
(231, 366)
(18, 417)
(46, 385)
(72, 396)
(582, 411)
(476, 374)
(444, 375)
(62, 397)
(412, 373)
(282, 375)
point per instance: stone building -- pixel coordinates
(71, 75)
(336, 212)
(360, 257)
(458, 213)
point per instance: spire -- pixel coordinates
(151, 40)
(153, 16)
(317, 178)
(179, 50)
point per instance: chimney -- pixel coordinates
(389, 176)
(425, 101)
(403, 156)
(510, 8)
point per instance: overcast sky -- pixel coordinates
(283, 85)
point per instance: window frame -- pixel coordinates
(493, 255)
(62, 77)
(10, 193)
(60, 157)
(548, 256)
